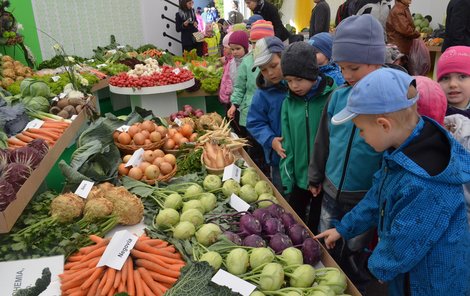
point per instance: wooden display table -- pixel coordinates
(435, 52)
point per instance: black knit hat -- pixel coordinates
(300, 60)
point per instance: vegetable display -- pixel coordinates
(12, 71)
(216, 157)
(49, 132)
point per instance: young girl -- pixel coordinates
(453, 74)
(226, 83)
(323, 44)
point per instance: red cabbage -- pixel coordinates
(16, 174)
(279, 242)
(233, 237)
(311, 251)
(26, 155)
(272, 226)
(40, 146)
(4, 155)
(254, 241)
(298, 234)
(7, 194)
(249, 225)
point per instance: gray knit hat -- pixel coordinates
(300, 60)
(359, 39)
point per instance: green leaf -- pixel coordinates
(138, 188)
(83, 153)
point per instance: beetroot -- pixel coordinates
(311, 251)
(275, 210)
(233, 237)
(279, 242)
(7, 194)
(288, 220)
(297, 234)
(272, 226)
(262, 214)
(249, 225)
(254, 241)
(16, 174)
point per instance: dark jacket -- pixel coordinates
(320, 19)
(270, 13)
(453, 110)
(400, 27)
(457, 24)
(186, 31)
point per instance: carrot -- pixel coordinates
(130, 278)
(75, 258)
(157, 268)
(156, 243)
(71, 284)
(122, 287)
(162, 278)
(93, 262)
(148, 280)
(109, 281)
(146, 248)
(147, 290)
(95, 276)
(16, 141)
(170, 249)
(24, 138)
(76, 292)
(44, 132)
(94, 288)
(49, 140)
(117, 279)
(49, 121)
(166, 285)
(170, 260)
(69, 265)
(78, 276)
(139, 289)
(86, 263)
(111, 292)
(103, 279)
(124, 270)
(170, 263)
(96, 239)
(95, 253)
(162, 287)
(89, 249)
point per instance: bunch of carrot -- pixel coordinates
(152, 53)
(50, 132)
(152, 268)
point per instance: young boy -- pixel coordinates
(343, 165)
(212, 38)
(300, 116)
(323, 43)
(264, 117)
(416, 204)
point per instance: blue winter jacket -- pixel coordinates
(264, 117)
(333, 70)
(424, 238)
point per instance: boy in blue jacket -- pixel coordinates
(264, 117)
(416, 201)
(323, 44)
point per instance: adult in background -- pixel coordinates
(400, 27)
(457, 24)
(269, 13)
(234, 16)
(320, 18)
(344, 10)
(186, 23)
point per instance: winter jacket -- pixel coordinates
(186, 31)
(459, 126)
(300, 117)
(244, 87)
(270, 13)
(333, 70)
(418, 208)
(451, 110)
(457, 24)
(400, 27)
(213, 44)
(264, 118)
(342, 161)
(319, 19)
(225, 89)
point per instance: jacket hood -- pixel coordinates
(446, 161)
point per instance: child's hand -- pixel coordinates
(231, 112)
(277, 146)
(315, 190)
(331, 236)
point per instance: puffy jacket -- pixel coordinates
(400, 27)
(457, 24)
(264, 118)
(333, 70)
(342, 161)
(300, 117)
(244, 87)
(424, 239)
(225, 89)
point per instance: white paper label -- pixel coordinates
(55, 99)
(90, 60)
(118, 250)
(136, 158)
(178, 121)
(232, 172)
(62, 95)
(55, 78)
(120, 46)
(176, 71)
(235, 283)
(123, 128)
(101, 66)
(238, 204)
(21, 274)
(35, 123)
(73, 117)
(84, 189)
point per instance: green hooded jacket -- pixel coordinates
(300, 118)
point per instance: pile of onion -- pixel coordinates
(178, 136)
(141, 133)
(155, 164)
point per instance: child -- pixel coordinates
(264, 117)
(301, 112)
(342, 165)
(323, 43)
(453, 74)
(432, 100)
(225, 89)
(212, 38)
(416, 204)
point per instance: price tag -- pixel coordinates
(84, 189)
(178, 121)
(112, 51)
(118, 250)
(73, 117)
(55, 78)
(123, 128)
(176, 71)
(238, 204)
(90, 60)
(120, 46)
(35, 123)
(235, 283)
(101, 66)
(136, 158)
(62, 95)
(232, 172)
(55, 99)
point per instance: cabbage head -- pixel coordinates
(38, 103)
(39, 88)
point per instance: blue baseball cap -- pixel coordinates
(383, 91)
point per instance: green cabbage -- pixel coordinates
(37, 103)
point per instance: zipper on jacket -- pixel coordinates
(345, 166)
(382, 208)
(308, 132)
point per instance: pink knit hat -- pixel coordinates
(239, 38)
(455, 59)
(261, 29)
(432, 99)
(226, 39)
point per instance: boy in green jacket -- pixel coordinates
(300, 116)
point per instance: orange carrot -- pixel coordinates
(122, 287)
(139, 289)
(162, 287)
(89, 249)
(93, 262)
(103, 279)
(94, 277)
(141, 246)
(109, 281)
(16, 141)
(156, 243)
(95, 253)
(124, 270)
(162, 278)
(117, 279)
(86, 262)
(94, 288)
(111, 292)
(130, 278)
(24, 138)
(148, 280)
(157, 268)
(96, 239)
(147, 290)
(78, 276)
(44, 132)
(75, 258)
(71, 284)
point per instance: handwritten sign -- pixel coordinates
(35, 123)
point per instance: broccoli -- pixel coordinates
(40, 286)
